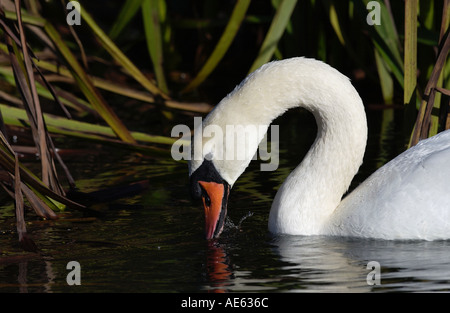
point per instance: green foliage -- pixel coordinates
(276, 30)
(222, 46)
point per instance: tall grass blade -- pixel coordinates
(81, 77)
(25, 241)
(421, 128)
(334, 20)
(126, 14)
(385, 39)
(25, 76)
(120, 57)
(40, 206)
(88, 89)
(21, 228)
(410, 53)
(77, 40)
(434, 119)
(234, 23)
(152, 26)
(8, 162)
(276, 30)
(385, 79)
(387, 90)
(60, 125)
(118, 89)
(61, 96)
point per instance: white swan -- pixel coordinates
(408, 198)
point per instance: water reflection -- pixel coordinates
(330, 264)
(322, 264)
(218, 267)
(24, 270)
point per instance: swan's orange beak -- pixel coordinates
(214, 198)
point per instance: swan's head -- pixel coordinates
(208, 185)
(217, 161)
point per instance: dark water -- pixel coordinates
(153, 241)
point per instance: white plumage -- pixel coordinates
(408, 198)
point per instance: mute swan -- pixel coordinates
(408, 198)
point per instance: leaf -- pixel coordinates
(21, 228)
(38, 204)
(63, 97)
(385, 79)
(152, 28)
(81, 106)
(8, 163)
(120, 57)
(88, 88)
(410, 53)
(49, 176)
(421, 127)
(129, 92)
(60, 125)
(385, 39)
(335, 23)
(222, 46)
(276, 30)
(81, 77)
(126, 14)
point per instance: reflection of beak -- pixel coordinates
(218, 267)
(215, 205)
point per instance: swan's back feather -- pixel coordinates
(408, 198)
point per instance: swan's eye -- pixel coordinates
(206, 198)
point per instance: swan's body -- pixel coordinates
(408, 198)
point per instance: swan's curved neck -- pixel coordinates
(314, 189)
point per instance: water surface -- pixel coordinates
(153, 241)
